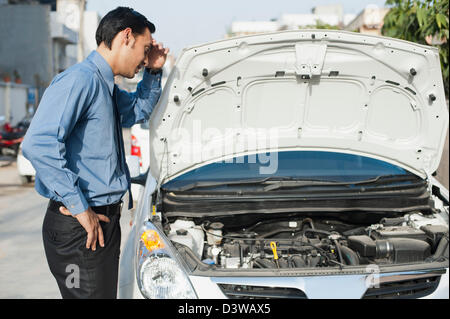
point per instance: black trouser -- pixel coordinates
(81, 272)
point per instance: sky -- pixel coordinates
(181, 24)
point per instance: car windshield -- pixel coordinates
(298, 165)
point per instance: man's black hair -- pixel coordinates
(119, 19)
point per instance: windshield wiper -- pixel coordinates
(203, 184)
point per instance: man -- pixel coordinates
(75, 144)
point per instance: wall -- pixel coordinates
(25, 42)
(13, 102)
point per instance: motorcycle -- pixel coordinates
(11, 137)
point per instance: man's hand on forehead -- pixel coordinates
(159, 46)
(157, 55)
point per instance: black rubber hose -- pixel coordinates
(350, 257)
(443, 245)
(264, 263)
(338, 247)
(317, 231)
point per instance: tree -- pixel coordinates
(419, 21)
(320, 25)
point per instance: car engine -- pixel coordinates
(310, 243)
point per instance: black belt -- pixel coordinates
(107, 210)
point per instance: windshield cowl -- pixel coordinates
(270, 184)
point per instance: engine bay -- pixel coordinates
(293, 242)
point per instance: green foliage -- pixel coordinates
(321, 25)
(414, 20)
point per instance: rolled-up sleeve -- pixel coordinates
(62, 106)
(137, 106)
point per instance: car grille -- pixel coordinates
(404, 289)
(250, 292)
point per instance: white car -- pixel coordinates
(140, 142)
(24, 167)
(295, 164)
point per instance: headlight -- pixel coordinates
(161, 275)
(162, 278)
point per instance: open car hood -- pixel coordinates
(301, 90)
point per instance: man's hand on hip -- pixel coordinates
(91, 223)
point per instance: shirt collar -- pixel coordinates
(104, 68)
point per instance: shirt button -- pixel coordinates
(72, 206)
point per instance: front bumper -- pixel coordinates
(379, 286)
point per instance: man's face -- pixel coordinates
(135, 53)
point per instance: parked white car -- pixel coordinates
(295, 164)
(140, 144)
(25, 169)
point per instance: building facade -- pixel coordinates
(39, 39)
(368, 21)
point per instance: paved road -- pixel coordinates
(24, 272)
(23, 268)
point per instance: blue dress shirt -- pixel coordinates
(72, 139)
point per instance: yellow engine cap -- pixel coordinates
(273, 245)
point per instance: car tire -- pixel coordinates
(15, 149)
(25, 179)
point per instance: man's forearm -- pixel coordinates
(59, 180)
(136, 107)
